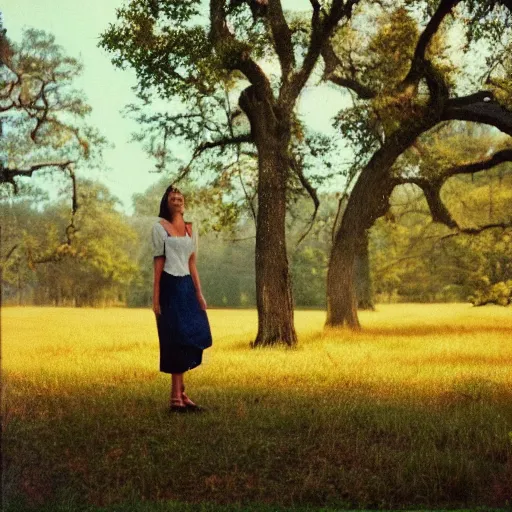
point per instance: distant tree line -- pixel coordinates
(411, 258)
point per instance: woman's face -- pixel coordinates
(176, 203)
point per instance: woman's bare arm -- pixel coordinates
(158, 267)
(195, 277)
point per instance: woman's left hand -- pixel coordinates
(202, 302)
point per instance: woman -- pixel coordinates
(179, 305)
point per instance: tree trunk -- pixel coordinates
(273, 285)
(341, 296)
(364, 289)
(367, 202)
(19, 287)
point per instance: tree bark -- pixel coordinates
(271, 131)
(341, 296)
(273, 285)
(364, 290)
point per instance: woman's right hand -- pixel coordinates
(156, 308)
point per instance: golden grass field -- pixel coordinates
(414, 410)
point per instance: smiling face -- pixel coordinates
(176, 203)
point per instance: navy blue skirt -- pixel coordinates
(183, 328)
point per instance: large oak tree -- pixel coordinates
(406, 93)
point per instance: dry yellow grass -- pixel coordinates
(402, 348)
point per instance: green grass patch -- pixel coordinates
(414, 412)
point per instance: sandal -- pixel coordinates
(177, 405)
(189, 405)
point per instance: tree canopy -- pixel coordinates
(43, 123)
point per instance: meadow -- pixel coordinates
(413, 412)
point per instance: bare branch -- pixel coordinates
(65, 248)
(438, 210)
(225, 142)
(71, 228)
(480, 107)
(210, 145)
(41, 120)
(500, 157)
(332, 62)
(10, 252)
(437, 239)
(481, 229)
(282, 38)
(8, 175)
(432, 188)
(312, 193)
(321, 31)
(234, 54)
(478, 230)
(504, 155)
(417, 69)
(363, 92)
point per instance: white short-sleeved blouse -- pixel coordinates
(176, 249)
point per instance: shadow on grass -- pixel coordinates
(175, 506)
(323, 451)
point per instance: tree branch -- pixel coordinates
(438, 210)
(282, 38)
(417, 69)
(497, 158)
(210, 145)
(477, 231)
(480, 107)
(71, 228)
(8, 175)
(504, 155)
(10, 251)
(225, 142)
(41, 120)
(321, 31)
(363, 92)
(432, 188)
(312, 193)
(233, 53)
(65, 248)
(333, 62)
(437, 239)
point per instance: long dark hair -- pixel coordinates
(164, 205)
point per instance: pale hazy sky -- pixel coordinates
(76, 26)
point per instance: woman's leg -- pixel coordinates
(180, 402)
(185, 398)
(176, 389)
